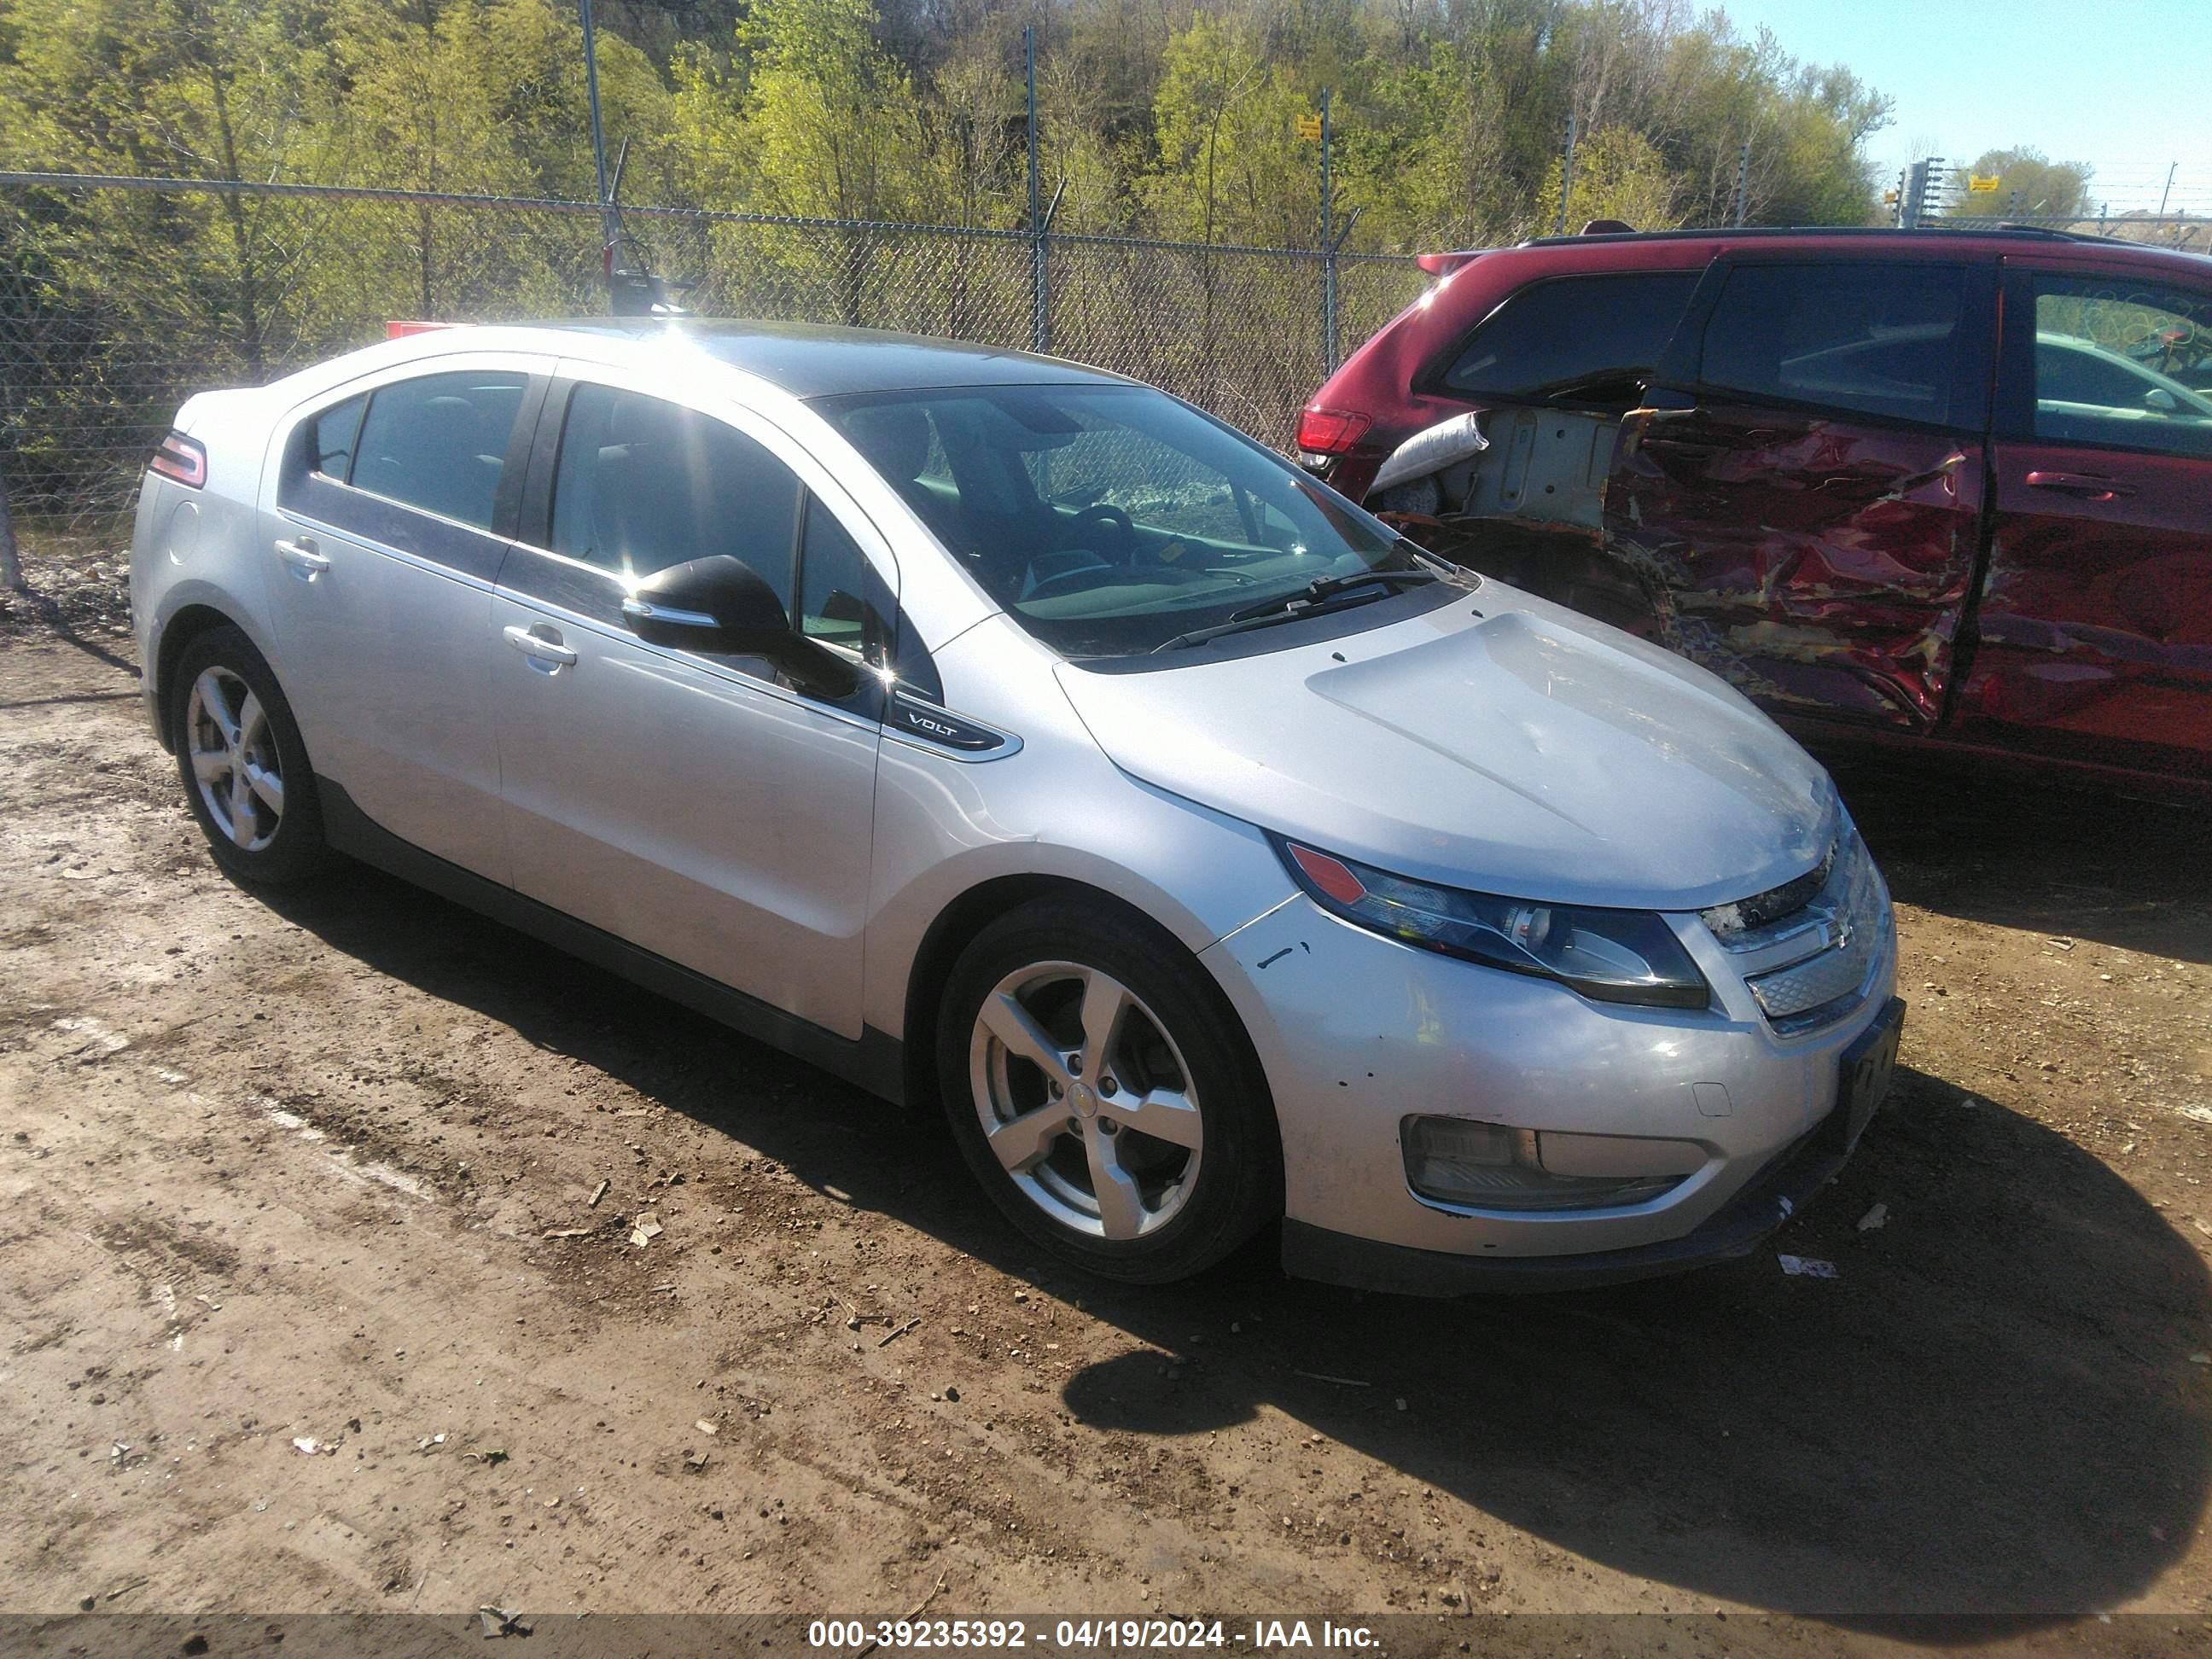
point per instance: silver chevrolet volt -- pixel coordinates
(992, 730)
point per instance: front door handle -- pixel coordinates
(2089, 486)
(306, 562)
(541, 647)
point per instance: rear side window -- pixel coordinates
(440, 442)
(1868, 338)
(330, 437)
(644, 484)
(2123, 364)
(1597, 337)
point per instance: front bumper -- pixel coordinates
(1356, 1032)
(1736, 1229)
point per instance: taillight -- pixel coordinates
(1330, 431)
(398, 329)
(182, 458)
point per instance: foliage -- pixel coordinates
(2043, 188)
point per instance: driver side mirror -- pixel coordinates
(2159, 401)
(720, 606)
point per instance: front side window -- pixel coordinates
(644, 484)
(2123, 364)
(439, 442)
(1593, 339)
(834, 584)
(1872, 339)
(1112, 520)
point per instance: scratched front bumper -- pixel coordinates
(1357, 1031)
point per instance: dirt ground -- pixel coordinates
(310, 1297)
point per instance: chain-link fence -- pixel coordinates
(120, 298)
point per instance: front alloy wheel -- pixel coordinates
(1103, 1092)
(1085, 1101)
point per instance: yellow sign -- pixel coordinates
(1889, 198)
(1980, 186)
(1310, 128)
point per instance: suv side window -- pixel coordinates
(1875, 339)
(1599, 335)
(439, 441)
(644, 484)
(2123, 363)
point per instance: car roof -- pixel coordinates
(810, 360)
(1686, 249)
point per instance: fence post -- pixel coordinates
(1040, 319)
(1566, 177)
(1327, 241)
(11, 566)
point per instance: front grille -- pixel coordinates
(1812, 965)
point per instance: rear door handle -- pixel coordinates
(541, 648)
(2090, 486)
(306, 563)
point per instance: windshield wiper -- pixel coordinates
(1312, 599)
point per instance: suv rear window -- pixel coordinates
(1593, 339)
(1873, 338)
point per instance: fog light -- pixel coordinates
(1488, 1166)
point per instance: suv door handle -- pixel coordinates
(306, 563)
(540, 648)
(2090, 486)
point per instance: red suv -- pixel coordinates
(1897, 486)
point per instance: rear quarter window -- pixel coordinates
(1870, 339)
(1595, 337)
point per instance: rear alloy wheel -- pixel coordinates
(1104, 1094)
(234, 759)
(246, 772)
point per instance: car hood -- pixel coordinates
(1501, 744)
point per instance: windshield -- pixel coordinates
(1112, 521)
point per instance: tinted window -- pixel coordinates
(2124, 364)
(644, 484)
(1602, 334)
(1875, 339)
(330, 437)
(440, 442)
(833, 583)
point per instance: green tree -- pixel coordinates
(2043, 188)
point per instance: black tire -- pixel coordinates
(293, 849)
(1238, 1185)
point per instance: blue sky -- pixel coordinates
(2125, 85)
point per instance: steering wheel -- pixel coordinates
(1120, 521)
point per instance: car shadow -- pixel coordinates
(1992, 1410)
(1984, 847)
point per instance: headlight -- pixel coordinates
(1611, 956)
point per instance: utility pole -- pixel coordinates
(1566, 177)
(1916, 201)
(1742, 179)
(2162, 195)
(1040, 300)
(609, 221)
